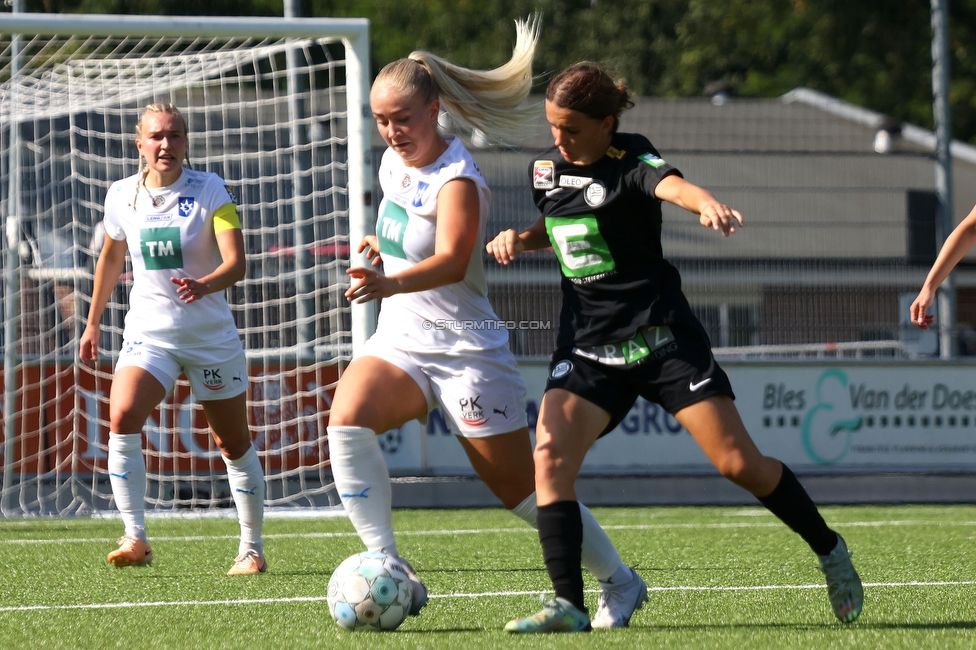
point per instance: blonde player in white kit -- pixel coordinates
(181, 230)
(437, 341)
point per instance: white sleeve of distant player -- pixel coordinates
(111, 220)
(384, 170)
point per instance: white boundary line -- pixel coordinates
(490, 594)
(481, 531)
(231, 513)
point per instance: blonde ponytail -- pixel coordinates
(487, 100)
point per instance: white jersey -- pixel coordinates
(170, 234)
(457, 316)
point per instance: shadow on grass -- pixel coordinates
(541, 569)
(950, 625)
(953, 625)
(45, 529)
(703, 627)
(442, 630)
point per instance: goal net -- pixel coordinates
(275, 107)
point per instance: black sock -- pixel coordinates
(561, 534)
(791, 503)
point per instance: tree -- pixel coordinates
(874, 53)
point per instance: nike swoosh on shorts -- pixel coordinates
(692, 386)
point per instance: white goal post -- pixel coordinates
(279, 109)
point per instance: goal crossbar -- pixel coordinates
(355, 30)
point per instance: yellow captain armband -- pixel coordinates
(225, 218)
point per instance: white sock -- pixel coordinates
(127, 474)
(246, 478)
(623, 574)
(363, 483)
(599, 556)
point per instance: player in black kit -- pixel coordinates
(626, 330)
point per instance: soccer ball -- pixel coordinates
(370, 591)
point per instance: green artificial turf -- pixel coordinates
(718, 578)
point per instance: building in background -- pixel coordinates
(840, 213)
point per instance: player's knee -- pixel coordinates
(511, 500)
(233, 449)
(123, 419)
(339, 417)
(549, 464)
(348, 415)
(515, 490)
(734, 466)
(749, 472)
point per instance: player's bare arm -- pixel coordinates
(712, 213)
(508, 244)
(231, 270)
(956, 246)
(371, 245)
(111, 262)
(457, 215)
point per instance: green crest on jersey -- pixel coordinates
(390, 228)
(581, 249)
(161, 248)
(652, 160)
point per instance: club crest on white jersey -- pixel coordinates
(187, 204)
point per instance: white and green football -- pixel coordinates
(370, 591)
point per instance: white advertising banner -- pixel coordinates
(847, 416)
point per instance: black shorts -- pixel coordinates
(676, 375)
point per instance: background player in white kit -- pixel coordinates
(431, 220)
(181, 230)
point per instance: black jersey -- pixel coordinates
(604, 224)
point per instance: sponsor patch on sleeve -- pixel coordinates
(652, 160)
(543, 175)
(574, 182)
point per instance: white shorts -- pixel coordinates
(481, 392)
(215, 372)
